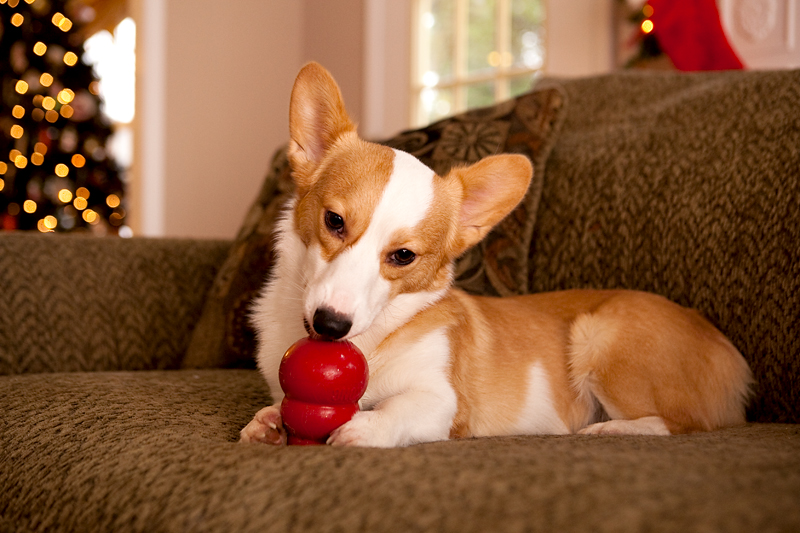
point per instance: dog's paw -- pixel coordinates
(266, 427)
(365, 430)
(650, 425)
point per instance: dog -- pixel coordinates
(365, 253)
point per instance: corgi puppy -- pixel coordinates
(365, 253)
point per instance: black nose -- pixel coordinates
(331, 324)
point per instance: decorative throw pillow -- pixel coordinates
(497, 266)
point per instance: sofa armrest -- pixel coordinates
(79, 303)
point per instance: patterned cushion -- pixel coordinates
(498, 266)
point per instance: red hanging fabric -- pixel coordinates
(690, 33)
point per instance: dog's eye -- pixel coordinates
(334, 222)
(402, 257)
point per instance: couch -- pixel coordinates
(126, 366)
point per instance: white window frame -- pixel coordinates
(500, 75)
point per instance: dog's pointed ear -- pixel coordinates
(317, 118)
(492, 189)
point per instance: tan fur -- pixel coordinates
(492, 188)
(635, 354)
(642, 355)
(348, 181)
(639, 354)
(317, 119)
(434, 240)
(334, 170)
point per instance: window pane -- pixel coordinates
(481, 36)
(459, 44)
(480, 94)
(435, 104)
(438, 40)
(527, 33)
(114, 60)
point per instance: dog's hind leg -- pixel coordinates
(643, 357)
(647, 425)
(606, 369)
(591, 340)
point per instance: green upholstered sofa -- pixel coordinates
(126, 365)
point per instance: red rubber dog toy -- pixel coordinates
(323, 382)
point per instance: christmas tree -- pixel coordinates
(55, 171)
(641, 46)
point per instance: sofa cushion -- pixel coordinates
(79, 303)
(686, 185)
(156, 451)
(498, 266)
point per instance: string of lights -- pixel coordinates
(56, 174)
(643, 40)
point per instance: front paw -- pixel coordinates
(266, 427)
(365, 430)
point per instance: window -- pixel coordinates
(113, 56)
(472, 53)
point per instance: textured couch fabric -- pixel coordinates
(683, 185)
(78, 303)
(155, 451)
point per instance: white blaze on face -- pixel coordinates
(351, 284)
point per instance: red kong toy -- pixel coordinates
(322, 381)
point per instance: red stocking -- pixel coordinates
(691, 34)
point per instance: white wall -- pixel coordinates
(214, 80)
(580, 37)
(333, 35)
(387, 68)
(213, 84)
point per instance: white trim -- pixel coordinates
(149, 169)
